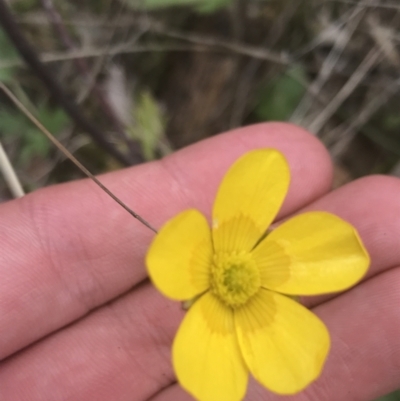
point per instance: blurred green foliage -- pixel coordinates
(31, 141)
(200, 5)
(7, 52)
(278, 98)
(148, 124)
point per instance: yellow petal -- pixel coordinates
(248, 199)
(313, 253)
(205, 353)
(283, 344)
(179, 258)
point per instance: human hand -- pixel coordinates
(79, 321)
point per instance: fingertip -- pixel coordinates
(387, 184)
(309, 161)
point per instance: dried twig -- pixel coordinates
(30, 57)
(83, 67)
(339, 138)
(359, 74)
(328, 66)
(384, 38)
(125, 48)
(152, 25)
(239, 48)
(244, 84)
(371, 4)
(57, 22)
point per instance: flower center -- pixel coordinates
(235, 278)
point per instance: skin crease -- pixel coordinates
(79, 321)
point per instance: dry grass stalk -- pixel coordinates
(348, 88)
(9, 174)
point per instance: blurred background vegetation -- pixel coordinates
(151, 76)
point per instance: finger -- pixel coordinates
(371, 307)
(364, 361)
(69, 248)
(174, 392)
(371, 205)
(122, 352)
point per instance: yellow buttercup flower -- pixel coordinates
(243, 318)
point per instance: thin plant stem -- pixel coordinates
(70, 156)
(10, 175)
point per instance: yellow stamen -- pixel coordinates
(235, 277)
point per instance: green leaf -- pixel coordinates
(278, 99)
(149, 124)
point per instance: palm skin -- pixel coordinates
(80, 321)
